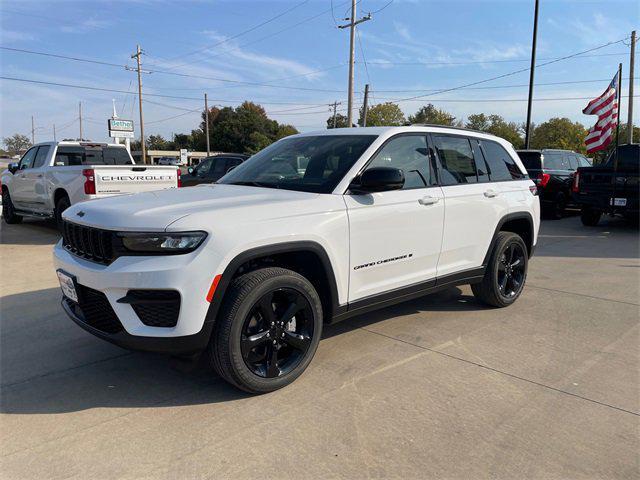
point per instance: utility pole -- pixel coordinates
(352, 53)
(206, 121)
(80, 118)
(632, 59)
(335, 109)
(142, 144)
(33, 134)
(532, 71)
(365, 106)
(54, 133)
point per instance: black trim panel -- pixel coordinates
(507, 218)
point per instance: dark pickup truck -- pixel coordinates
(609, 188)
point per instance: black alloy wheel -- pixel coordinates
(8, 210)
(277, 333)
(511, 270)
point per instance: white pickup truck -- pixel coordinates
(52, 176)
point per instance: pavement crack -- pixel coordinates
(583, 295)
(495, 370)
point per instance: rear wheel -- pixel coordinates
(268, 330)
(506, 272)
(8, 210)
(61, 205)
(589, 216)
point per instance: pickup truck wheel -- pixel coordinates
(558, 208)
(590, 217)
(268, 330)
(506, 272)
(61, 205)
(8, 210)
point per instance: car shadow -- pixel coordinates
(49, 365)
(29, 232)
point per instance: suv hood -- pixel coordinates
(157, 210)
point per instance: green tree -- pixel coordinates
(285, 131)
(496, 125)
(341, 121)
(157, 142)
(430, 114)
(16, 143)
(382, 115)
(559, 133)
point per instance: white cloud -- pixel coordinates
(14, 36)
(402, 30)
(86, 26)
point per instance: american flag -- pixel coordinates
(606, 107)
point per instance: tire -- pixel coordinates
(246, 335)
(61, 205)
(589, 216)
(506, 272)
(8, 210)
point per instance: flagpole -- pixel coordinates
(615, 158)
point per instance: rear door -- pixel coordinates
(473, 205)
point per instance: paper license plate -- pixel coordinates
(619, 202)
(68, 285)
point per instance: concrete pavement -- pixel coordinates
(440, 387)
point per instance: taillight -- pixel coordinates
(179, 178)
(575, 187)
(543, 179)
(89, 181)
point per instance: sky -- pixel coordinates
(290, 57)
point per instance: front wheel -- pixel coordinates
(506, 272)
(267, 331)
(8, 209)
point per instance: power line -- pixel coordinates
(175, 116)
(255, 27)
(512, 73)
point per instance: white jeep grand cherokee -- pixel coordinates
(315, 228)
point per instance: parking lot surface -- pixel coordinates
(439, 387)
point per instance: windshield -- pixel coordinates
(307, 164)
(92, 155)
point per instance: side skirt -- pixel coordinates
(375, 302)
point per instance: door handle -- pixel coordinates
(428, 200)
(491, 193)
(39, 176)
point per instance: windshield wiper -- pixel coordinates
(254, 184)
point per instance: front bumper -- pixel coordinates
(185, 274)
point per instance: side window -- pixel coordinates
(571, 160)
(408, 153)
(232, 163)
(583, 161)
(41, 156)
(27, 159)
(456, 159)
(203, 167)
(500, 164)
(218, 167)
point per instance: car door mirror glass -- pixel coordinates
(13, 167)
(190, 170)
(378, 179)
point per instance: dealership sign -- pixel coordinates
(120, 128)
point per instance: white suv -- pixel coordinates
(315, 228)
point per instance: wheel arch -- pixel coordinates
(308, 258)
(520, 223)
(58, 194)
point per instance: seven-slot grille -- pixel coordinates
(88, 242)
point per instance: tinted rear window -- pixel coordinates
(556, 161)
(87, 155)
(531, 160)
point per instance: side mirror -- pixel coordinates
(13, 167)
(378, 179)
(190, 170)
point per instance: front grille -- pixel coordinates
(95, 310)
(87, 242)
(155, 308)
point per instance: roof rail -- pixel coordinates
(408, 124)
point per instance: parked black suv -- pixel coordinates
(553, 171)
(212, 169)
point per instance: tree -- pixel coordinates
(559, 133)
(496, 125)
(383, 115)
(431, 114)
(16, 143)
(157, 142)
(341, 121)
(244, 129)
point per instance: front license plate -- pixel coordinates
(619, 202)
(68, 285)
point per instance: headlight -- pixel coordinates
(164, 242)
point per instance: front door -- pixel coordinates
(395, 236)
(21, 194)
